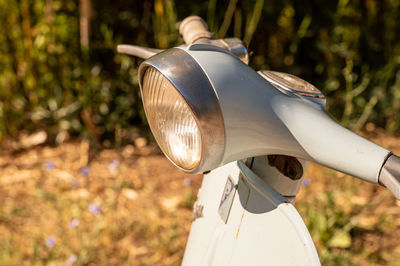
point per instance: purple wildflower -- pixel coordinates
(306, 182)
(85, 171)
(187, 181)
(94, 208)
(74, 223)
(71, 260)
(112, 166)
(75, 182)
(49, 165)
(51, 242)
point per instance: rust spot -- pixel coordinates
(241, 219)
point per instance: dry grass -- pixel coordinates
(122, 206)
(69, 205)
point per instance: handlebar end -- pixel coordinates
(389, 176)
(193, 28)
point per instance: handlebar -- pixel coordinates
(329, 144)
(194, 28)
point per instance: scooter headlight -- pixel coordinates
(171, 120)
(183, 111)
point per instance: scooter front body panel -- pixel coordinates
(248, 223)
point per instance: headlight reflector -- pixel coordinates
(171, 120)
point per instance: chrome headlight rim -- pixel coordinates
(189, 79)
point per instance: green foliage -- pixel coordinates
(49, 80)
(348, 49)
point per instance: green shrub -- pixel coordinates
(348, 49)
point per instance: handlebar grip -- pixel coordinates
(193, 28)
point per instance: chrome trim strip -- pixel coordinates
(192, 83)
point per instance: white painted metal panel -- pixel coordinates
(262, 228)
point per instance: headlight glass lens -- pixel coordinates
(171, 120)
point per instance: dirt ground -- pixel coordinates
(72, 205)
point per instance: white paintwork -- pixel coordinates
(260, 120)
(262, 228)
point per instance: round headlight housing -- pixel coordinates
(171, 120)
(183, 110)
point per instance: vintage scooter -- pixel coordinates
(208, 111)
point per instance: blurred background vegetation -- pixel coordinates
(60, 71)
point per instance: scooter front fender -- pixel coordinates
(239, 219)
